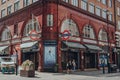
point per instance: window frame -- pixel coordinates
(74, 3)
(26, 3)
(110, 3)
(104, 2)
(16, 4)
(50, 19)
(66, 1)
(84, 5)
(9, 9)
(3, 1)
(91, 8)
(97, 9)
(104, 14)
(3, 13)
(88, 32)
(110, 17)
(29, 27)
(34, 1)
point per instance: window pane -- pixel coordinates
(98, 11)
(118, 10)
(118, 25)
(9, 10)
(110, 3)
(104, 14)
(70, 25)
(65, 0)
(5, 34)
(91, 7)
(16, 6)
(84, 5)
(103, 35)
(49, 20)
(88, 32)
(3, 13)
(34, 0)
(74, 2)
(31, 25)
(3, 1)
(26, 3)
(110, 17)
(104, 1)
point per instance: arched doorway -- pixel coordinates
(30, 48)
(70, 50)
(90, 54)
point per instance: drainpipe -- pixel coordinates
(115, 23)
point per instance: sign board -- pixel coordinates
(66, 35)
(103, 60)
(34, 35)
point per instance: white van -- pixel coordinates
(7, 64)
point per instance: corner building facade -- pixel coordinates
(91, 27)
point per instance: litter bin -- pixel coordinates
(56, 68)
(113, 68)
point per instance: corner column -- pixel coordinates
(40, 54)
(59, 57)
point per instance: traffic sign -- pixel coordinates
(34, 35)
(66, 35)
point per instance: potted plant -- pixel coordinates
(27, 69)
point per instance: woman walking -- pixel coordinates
(69, 67)
(73, 65)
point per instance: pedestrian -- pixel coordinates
(73, 65)
(69, 67)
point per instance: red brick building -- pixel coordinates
(90, 26)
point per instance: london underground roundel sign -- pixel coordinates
(66, 35)
(34, 35)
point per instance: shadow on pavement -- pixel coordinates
(96, 73)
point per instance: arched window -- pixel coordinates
(88, 32)
(103, 35)
(70, 25)
(5, 34)
(31, 25)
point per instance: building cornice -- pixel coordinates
(2, 20)
(85, 12)
(59, 2)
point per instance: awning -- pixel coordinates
(74, 45)
(28, 44)
(93, 47)
(3, 48)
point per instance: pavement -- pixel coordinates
(77, 75)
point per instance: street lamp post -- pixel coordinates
(108, 42)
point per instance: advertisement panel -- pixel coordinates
(103, 60)
(49, 56)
